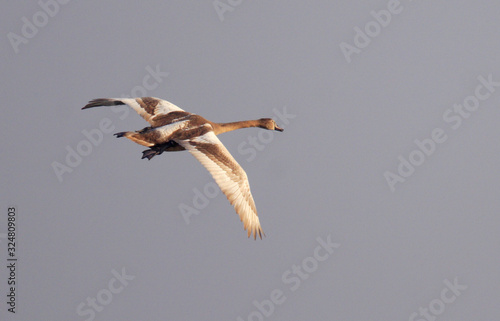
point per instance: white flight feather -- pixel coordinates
(233, 181)
(162, 108)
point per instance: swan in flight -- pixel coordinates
(173, 129)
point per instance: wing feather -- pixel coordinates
(229, 175)
(152, 109)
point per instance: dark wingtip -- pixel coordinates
(102, 102)
(120, 134)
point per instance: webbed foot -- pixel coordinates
(157, 150)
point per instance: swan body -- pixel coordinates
(173, 129)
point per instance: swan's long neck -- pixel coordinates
(220, 128)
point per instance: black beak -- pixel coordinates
(278, 128)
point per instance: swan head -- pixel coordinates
(269, 123)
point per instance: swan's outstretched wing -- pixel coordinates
(229, 175)
(155, 111)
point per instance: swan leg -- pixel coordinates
(157, 150)
(148, 153)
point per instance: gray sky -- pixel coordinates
(379, 200)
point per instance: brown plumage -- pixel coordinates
(173, 129)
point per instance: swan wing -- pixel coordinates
(229, 175)
(153, 110)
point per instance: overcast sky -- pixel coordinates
(380, 200)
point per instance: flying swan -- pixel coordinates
(173, 129)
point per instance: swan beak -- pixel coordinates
(278, 128)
